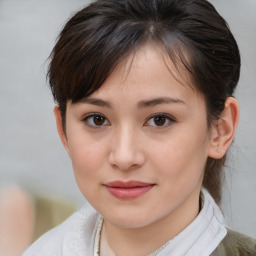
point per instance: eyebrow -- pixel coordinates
(141, 104)
(96, 102)
(157, 101)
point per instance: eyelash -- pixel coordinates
(165, 117)
(87, 118)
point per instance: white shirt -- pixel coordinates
(79, 235)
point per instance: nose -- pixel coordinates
(126, 150)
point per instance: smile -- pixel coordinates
(128, 190)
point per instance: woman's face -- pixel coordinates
(139, 144)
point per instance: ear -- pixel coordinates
(60, 129)
(223, 133)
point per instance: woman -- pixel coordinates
(146, 112)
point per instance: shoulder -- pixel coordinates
(236, 244)
(74, 235)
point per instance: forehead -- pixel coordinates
(148, 70)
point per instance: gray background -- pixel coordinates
(31, 154)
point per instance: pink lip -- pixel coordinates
(128, 190)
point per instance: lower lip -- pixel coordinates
(128, 193)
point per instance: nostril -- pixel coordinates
(126, 162)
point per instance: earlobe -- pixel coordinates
(224, 130)
(60, 129)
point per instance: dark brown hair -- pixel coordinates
(97, 38)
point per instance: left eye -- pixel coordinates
(96, 120)
(160, 120)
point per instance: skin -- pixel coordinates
(167, 150)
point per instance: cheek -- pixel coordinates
(181, 159)
(87, 164)
(87, 159)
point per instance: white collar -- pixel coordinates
(203, 235)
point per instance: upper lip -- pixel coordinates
(127, 184)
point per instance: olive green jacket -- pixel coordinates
(236, 244)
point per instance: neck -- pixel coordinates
(145, 240)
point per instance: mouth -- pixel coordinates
(128, 190)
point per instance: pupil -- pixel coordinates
(159, 120)
(99, 120)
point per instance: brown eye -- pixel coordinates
(99, 120)
(159, 120)
(95, 120)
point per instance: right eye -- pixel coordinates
(95, 120)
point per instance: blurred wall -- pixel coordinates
(30, 151)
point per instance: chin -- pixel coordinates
(129, 221)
